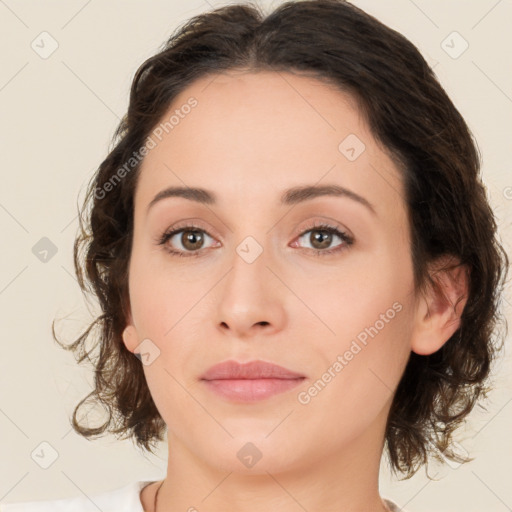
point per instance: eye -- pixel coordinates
(191, 239)
(321, 236)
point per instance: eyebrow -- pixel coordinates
(291, 196)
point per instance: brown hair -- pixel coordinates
(408, 112)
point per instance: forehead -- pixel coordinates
(251, 135)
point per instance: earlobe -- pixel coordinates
(130, 337)
(438, 312)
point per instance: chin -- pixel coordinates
(256, 453)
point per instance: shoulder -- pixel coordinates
(393, 507)
(125, 498)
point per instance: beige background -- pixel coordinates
(57, 117)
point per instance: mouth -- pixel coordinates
(250, 382)
(251, 390)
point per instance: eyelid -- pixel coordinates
(184, 225)
(191, 223)
(320, 225)
(333, 228)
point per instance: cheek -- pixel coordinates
(367, 302)
(157, 299)
(360, 371)
(361, 332)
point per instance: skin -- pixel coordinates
(251, 136)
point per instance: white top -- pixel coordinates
(125, 499)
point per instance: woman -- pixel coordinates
(296, 261)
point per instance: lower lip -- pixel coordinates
(251, 390)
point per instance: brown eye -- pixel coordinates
(184, 241)
(322, 237)
(192, 240)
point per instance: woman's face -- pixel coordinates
(259, 277)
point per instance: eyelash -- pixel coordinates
(347, 239)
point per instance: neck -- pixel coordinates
(346, 480)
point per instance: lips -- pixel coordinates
(231, 370)
(249, 382)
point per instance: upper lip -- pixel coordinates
(251, 370)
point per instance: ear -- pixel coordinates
(130, 337)
(438, 312)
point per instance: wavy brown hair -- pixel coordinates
(408, 112)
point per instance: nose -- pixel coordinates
(251, 299)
